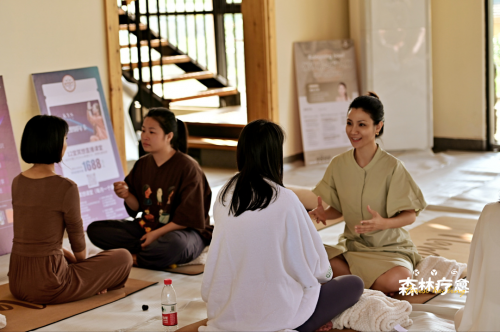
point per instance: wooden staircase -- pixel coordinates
(205, 131)
(171, 55)
(214, 135)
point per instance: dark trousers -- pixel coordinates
(177, 247)
(335, 296)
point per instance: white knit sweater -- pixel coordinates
(264, 268)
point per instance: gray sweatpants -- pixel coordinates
(335, 296)
(175, 247)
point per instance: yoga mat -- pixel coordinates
(190, 270)
(25, 316)
(448, 237)
(195, 267)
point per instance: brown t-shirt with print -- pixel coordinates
(176, 191)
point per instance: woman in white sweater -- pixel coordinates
(266, 263)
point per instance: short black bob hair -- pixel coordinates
(43, 140)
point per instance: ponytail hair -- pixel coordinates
(170, 124)
(372, 105)
(182, 137)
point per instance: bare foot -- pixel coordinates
(102, 292)
(327, 327)
(134, 260)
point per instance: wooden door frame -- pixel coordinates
(115, 92)
(259, 30)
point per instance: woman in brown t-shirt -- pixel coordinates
(170, 190)
(45, 204)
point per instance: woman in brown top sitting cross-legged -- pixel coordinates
(45, 204)
(170, 190)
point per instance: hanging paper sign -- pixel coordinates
(9, 169)
(326, 84)
(91, 159)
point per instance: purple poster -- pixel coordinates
(9, 169)
(91, 159)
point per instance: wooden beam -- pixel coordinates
(259, 30)
(115, 78)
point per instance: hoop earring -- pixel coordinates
(377, 134)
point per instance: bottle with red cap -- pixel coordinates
(169, 306)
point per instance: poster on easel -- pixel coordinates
(326, 84)
(91, 159)
(9, 169)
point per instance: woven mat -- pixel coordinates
(25, 316)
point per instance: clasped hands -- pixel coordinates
(377, 222)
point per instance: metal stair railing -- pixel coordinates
(158, 33)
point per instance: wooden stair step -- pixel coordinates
(212, 143)
(133, 27)
(166, 60)
(228, 116)
(154, 43)
(207, 93)
(197, 75)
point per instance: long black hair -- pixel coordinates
(259, 157)
(43, 139)
(170, 124)
(372, 105)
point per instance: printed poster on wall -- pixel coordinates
(326, 84)
(91, 159)
(9, 169)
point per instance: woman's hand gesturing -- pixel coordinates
(374, 224)
(121, 189)
(319, 213)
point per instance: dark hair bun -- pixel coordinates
(372, 94)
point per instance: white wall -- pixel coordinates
(44, 36)
(458, 61)
(394, 47)
(300, 20)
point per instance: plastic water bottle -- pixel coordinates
(169, 306)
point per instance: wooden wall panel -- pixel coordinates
(260, 59)
(115, 78)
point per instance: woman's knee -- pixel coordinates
(120, 256)
(339, 266)
(172, 240)
(91, 230)
(353, 284)
(389, 281)
(94, 230)
(398, 273)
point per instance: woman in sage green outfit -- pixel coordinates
(377, 197)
